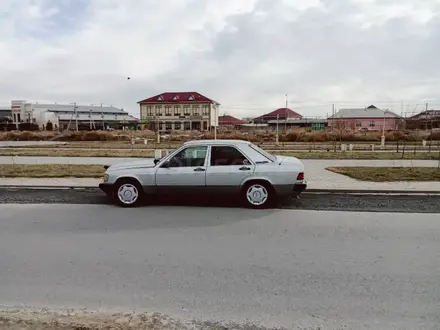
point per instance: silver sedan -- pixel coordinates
(224, 167)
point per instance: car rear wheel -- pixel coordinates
(258, 195)
(128, 193)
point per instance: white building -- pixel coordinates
(70, 116)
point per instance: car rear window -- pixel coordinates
(267, 155)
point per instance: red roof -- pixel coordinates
(229, 120)
(282, 113)
(181, 97)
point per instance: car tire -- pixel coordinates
(128, 193)
(258, 195)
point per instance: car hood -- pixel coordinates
(145, 163)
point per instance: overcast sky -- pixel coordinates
(245, 54)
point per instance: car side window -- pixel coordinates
(227, 156)
(189, 157)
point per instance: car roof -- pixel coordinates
(216, 142)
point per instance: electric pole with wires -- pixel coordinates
(74, 114)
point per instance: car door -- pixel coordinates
(227, 168)
(184, 172)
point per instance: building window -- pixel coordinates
(358, 124)
(168, 110)
(161, 126)
(168, 125)
(372, 124)
(158, 110)
(195, 110)
(191, 98)
(160, 98)
(175, 98)
(149, 110)
(205, 110)
(18, 117)
(177, 125)
(186, 125)
(205, 125)
(186, 110)
(176, 110)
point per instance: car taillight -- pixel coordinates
(300, 176)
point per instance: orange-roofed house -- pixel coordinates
(230, 121)
(280, 114)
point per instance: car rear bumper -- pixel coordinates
(106, 187)
(298, 188)
(290, 190)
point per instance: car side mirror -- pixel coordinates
(156, 160)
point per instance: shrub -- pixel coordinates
(297, 135)
(434, 136)
(22, 136)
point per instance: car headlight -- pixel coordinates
(105, 178)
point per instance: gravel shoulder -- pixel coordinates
(308, 201)
(45, 319)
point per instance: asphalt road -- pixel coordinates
(291, 268)
(308, 201)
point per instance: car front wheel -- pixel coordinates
(258, 195)
(128, 193)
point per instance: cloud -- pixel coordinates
(246, 54)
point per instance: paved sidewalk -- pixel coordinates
(316, 174)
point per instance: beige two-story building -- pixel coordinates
(179, 111)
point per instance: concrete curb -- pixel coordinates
(372, 192)
(308, 191)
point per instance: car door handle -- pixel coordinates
(244, 168)
(199, 169)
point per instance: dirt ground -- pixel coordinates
(26, 319)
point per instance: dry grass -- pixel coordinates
(296, 135)
(54, 152)
(74, 152)
(361, 155)
(51, 171)
(383, 174)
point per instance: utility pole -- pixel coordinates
(277, 136)
(102, 117)
(215, 121)
(74, 113)
(426, 114)
(431, 124)
(333, 115)
(382, 140)
(285, 121)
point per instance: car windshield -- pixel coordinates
(264, 153)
